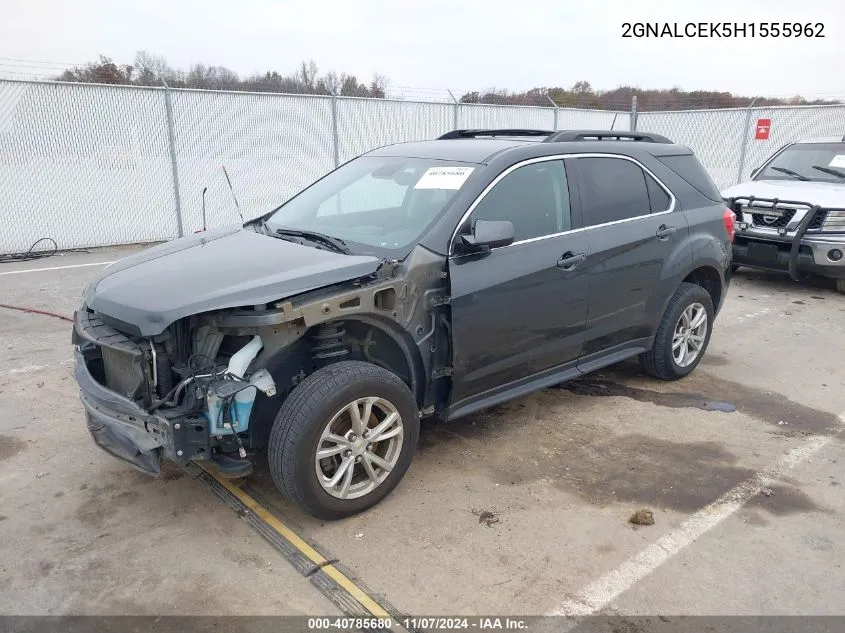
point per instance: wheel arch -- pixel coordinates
(708, 277)
(401, 355)
(369, 338)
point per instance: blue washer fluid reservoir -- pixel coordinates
(239, 410)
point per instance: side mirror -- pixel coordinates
(487, 234)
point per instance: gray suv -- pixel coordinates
(433, 278)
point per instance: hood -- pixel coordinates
(226, 268)
(825, 194)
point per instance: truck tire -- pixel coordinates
(682, 336)
(364, 422)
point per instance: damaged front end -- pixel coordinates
(209, 385)
(183, 394)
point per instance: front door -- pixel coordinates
(518, 311)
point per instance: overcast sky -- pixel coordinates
(458, 44)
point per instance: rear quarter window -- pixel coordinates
(660, 200)
(688, 168)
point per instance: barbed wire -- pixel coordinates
(41, 62)
(20, 74)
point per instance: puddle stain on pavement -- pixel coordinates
(534, 439)
(700, 390)
(599, 387)
(11, 446)
(604, 468)
(101, 503)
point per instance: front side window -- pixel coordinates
(534, 198)
(612, 189)
(822, 162)
(375, 203)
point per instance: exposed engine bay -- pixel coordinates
(221, 393)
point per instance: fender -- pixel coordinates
(696, 251)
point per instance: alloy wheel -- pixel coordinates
(359, 447)
(690, 334)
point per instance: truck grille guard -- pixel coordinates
(800, 227)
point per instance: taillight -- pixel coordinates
(729, 217)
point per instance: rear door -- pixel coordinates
(633, 228)
(519, 310)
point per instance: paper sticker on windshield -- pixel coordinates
(838, 161)
(443, 178)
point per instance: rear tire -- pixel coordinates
(321, 414)
(680, 342)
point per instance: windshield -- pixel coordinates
(821, 162)
(374, 203)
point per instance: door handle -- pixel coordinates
(664, 232)
(570, 260)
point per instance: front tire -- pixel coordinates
(343, 439)
(682, 336)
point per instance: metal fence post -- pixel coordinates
(633, 113)
(548, 96)
(456, 114)
(174, 169)
(335, 135)
(745, 135)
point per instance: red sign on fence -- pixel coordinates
(763, 127)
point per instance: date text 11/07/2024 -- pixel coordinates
(722, 29)
(437, 623)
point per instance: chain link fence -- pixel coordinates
(83, 165)
(94, 165)
(725, 140)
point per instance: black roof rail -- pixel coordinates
(598, 135)
(476, 133)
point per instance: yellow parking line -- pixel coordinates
(300, 544)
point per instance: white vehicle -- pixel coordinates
(791, 215)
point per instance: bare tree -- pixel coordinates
(331, 83)
(307, 75)
(152, 70)
(378, 86)
(212, 78)
(149, 70)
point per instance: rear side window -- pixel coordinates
(688, 168)
(612, 189)
(658, 197)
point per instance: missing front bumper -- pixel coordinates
(125, 430)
